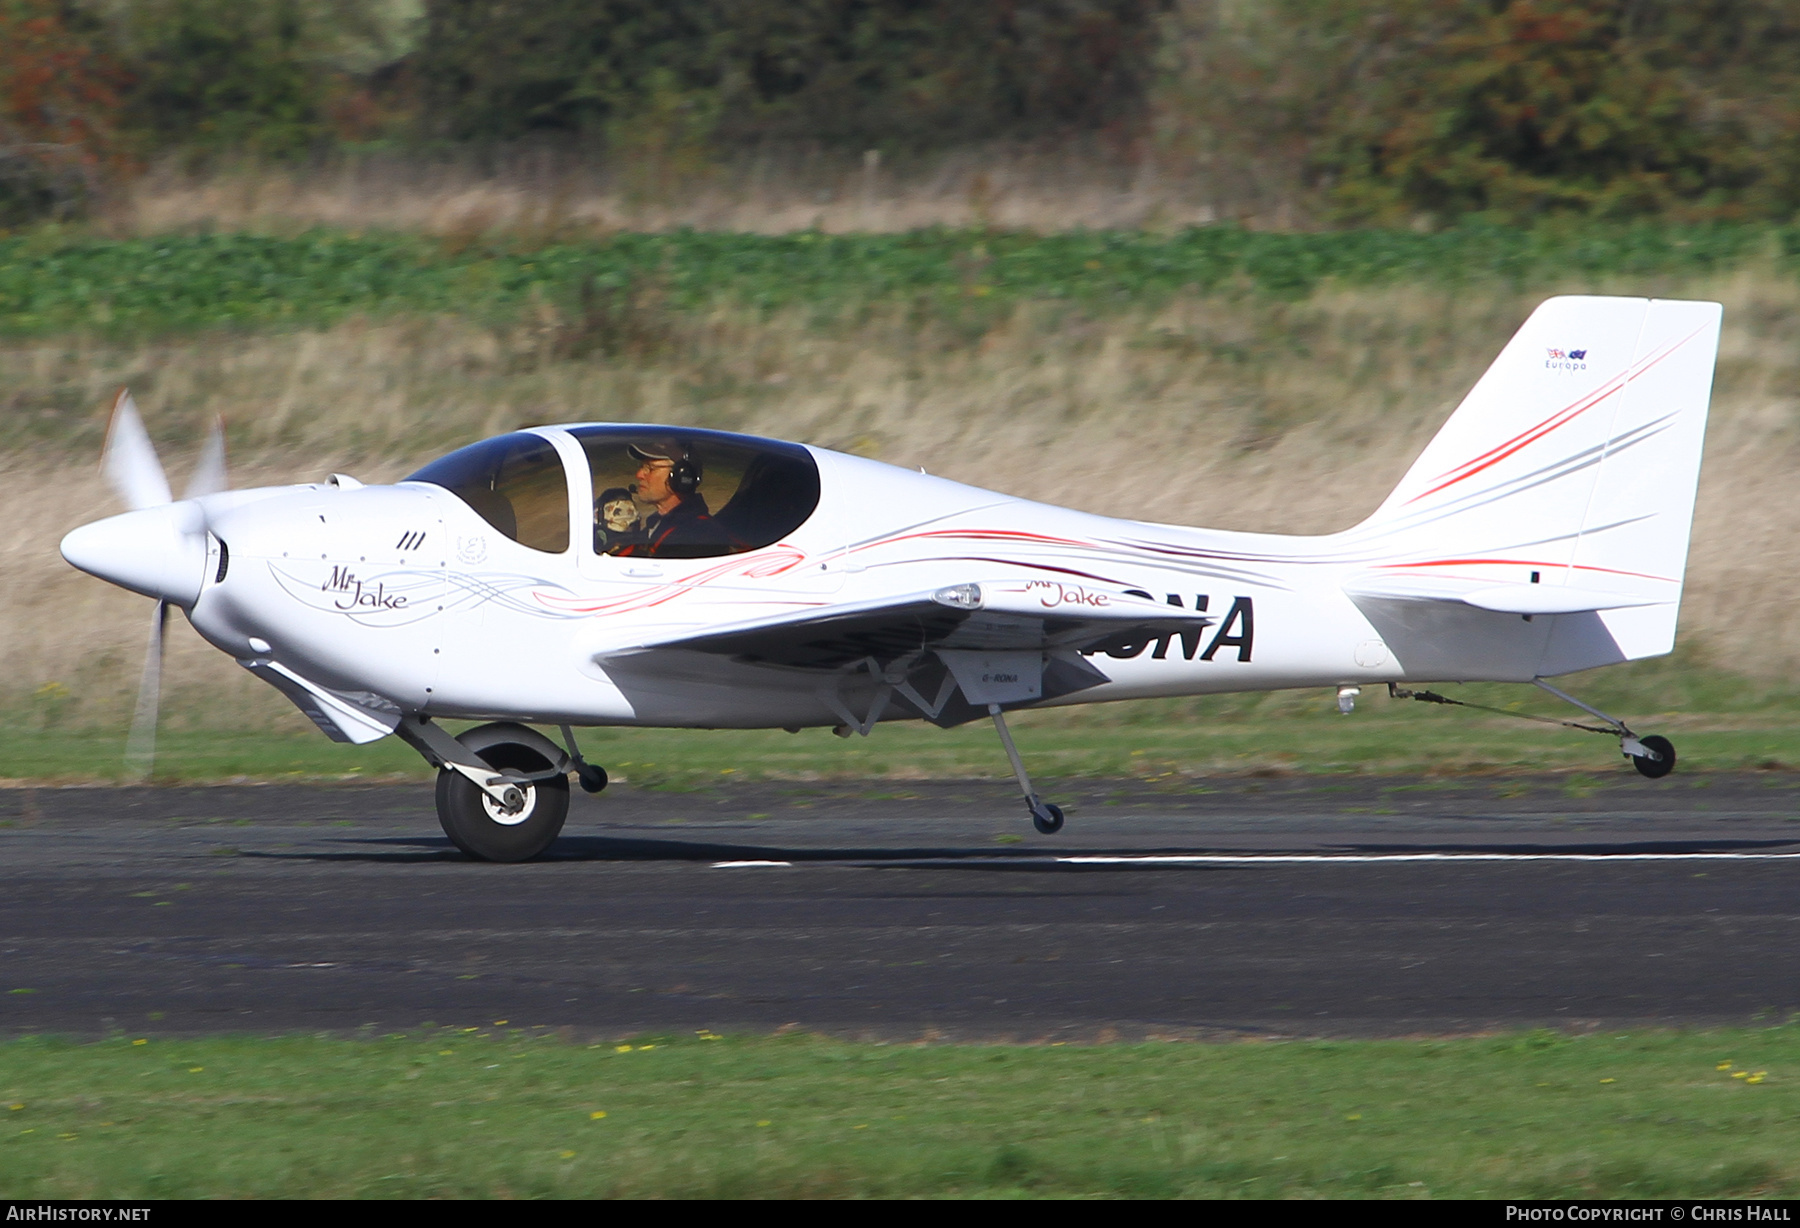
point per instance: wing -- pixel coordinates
(1005, 616)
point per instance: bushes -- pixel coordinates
(914, 72)
(1396, 111)
(224, 76)
(275, 78)
(59, 110)
(1594, 107)
(1377, 112)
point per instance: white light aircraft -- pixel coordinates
(605, 575)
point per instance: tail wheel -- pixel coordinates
(482, 828)
(1663, 764)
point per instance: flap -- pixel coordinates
(1009, 615)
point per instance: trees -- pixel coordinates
(1356, 111)
(59, 110)
(858, 72)
(1524, 108)
(1397, 111)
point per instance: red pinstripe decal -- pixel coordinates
(778, 560)
(979, 535)
(1560, 418)
(1611, 571)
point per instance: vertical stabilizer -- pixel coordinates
(1572, 463)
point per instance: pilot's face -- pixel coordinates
(619, 515)
(653, 480)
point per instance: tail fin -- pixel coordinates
(1563, 485)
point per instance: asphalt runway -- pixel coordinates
(1280, 907)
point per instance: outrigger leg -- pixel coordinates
(1653, 756)
(1045, 816)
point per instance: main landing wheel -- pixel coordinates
(487, 831)
(1047, 817)
(1663, 764)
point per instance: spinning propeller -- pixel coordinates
(158, 548)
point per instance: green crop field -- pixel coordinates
(51, 283)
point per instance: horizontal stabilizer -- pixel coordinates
(1504, 598)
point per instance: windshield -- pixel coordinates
(669, 493)
(515, 483)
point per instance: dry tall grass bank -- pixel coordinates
(545, 192)
(1240, 413)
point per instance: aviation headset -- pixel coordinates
(684, 477)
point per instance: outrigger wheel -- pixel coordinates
(1047, 817)
(1663, 764)
(489, 831)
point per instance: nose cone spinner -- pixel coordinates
(159, 551)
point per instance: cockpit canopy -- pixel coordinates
(654, 492)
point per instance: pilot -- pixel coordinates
(668, 479)
(617, 524)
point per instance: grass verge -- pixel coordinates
(1179, 742)
(519, 1113)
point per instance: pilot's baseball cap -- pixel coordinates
(670, 450)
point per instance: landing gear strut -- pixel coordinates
(1652, 756)
(502, 789)
(1047, 817)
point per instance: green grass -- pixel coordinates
(517, 1113)
(1175, 741)
(54, 281)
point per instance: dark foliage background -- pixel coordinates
(1418, 112)
(918, 72)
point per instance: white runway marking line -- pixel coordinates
(1208, 859)
(1328, 858)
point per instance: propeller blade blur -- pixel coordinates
(130, 462)
(140, 747)
(209, 473)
